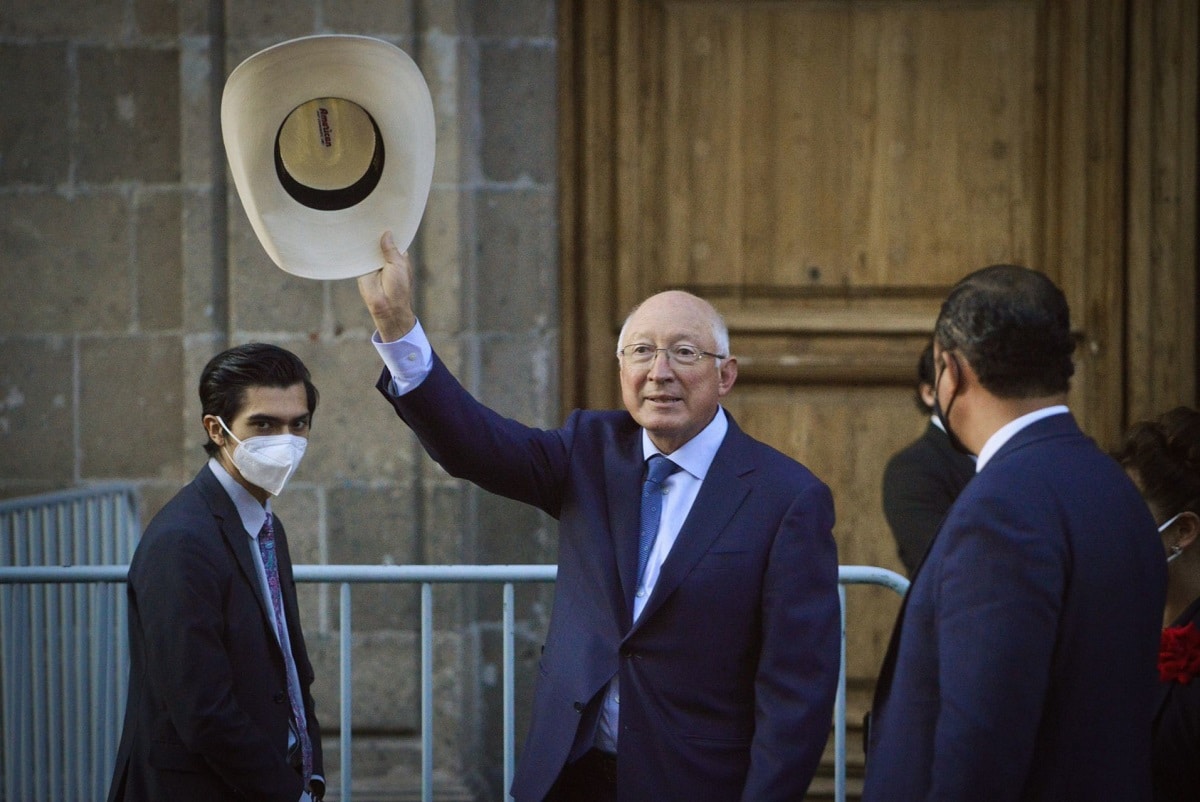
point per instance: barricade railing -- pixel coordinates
(63, 649)
(427, 576)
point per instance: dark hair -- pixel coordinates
(1013, 325)
(926, 374)
(1165, 455)
(227, 376)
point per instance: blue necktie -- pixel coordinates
(652, 492)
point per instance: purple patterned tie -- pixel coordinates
(266, 545)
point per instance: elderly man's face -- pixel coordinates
(673, 402)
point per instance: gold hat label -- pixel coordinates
(329, 154)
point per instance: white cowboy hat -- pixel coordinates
(330, 140)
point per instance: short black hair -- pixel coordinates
(1165, 455)
(926, 374)
(228, 375)
(1013, 325)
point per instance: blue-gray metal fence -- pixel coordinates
(65, 656)
(42, 747)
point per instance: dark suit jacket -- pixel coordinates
(207, 714)
(1023, 662)
(729, 675)
(1177, 733)
(920, 482)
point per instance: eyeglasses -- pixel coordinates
(642, 354)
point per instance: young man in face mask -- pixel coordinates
(219, 704)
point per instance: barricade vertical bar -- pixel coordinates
(83, 528)
(839, 716)
(509, 683)
(346, 701)
(426, 692)
(41, 648)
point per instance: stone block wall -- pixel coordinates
(126, 261)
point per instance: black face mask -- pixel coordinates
(944, 417)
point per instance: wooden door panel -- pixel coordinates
(823, 172)
(788, 146)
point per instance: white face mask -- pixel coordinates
(267, 461)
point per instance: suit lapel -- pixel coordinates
(722, 492)
(623, 465)
(230, 523)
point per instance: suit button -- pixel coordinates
(279, 698)
(579, 707)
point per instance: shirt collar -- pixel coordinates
(253, 514)
(1006, 432)
(696, 455)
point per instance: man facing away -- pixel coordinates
(921, 480)
(1022, 666)
(219, 704)
(707, 669)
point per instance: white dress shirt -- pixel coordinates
(1006, 432)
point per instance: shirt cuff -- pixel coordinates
(409, 360)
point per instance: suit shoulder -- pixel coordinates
(776, 466)
(186, 523)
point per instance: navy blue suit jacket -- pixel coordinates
(728, 677)
(1023, 661)
(207, 715)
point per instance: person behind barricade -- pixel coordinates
(693, 647)
(921, 481)
(1022, 665)
(219, 705)
(1162, 456)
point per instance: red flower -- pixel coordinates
(1179, 654)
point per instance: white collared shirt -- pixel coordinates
(1006, 432)
(408, 359)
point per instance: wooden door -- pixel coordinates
(823, 172)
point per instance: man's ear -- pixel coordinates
(960, 372)
(1188, 527)
(213, 427)
(728, 375)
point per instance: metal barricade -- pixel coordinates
(65, 656)
(427, 576)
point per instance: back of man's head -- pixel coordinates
(1013, 325)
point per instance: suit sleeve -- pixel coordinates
(472, 442)
(797, 673)
(183, 621)
(1000, 587)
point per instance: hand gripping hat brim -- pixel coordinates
(330, 141)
